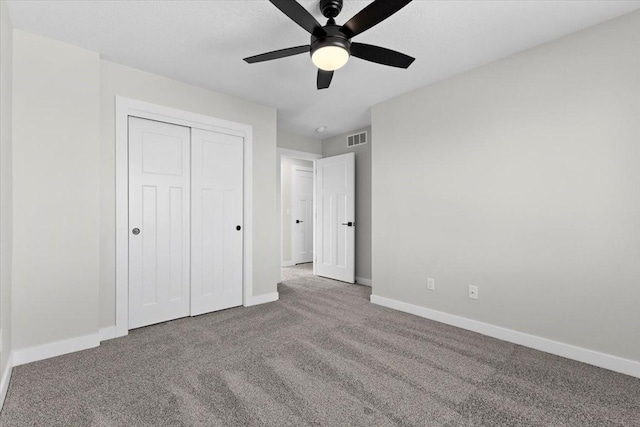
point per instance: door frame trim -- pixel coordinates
(293, 210)
(125, 107)
(295, 154)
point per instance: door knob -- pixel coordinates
(298, 221)
(238, 228)
(135, 231)
(349, 224)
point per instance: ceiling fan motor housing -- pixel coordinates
(334, 37)
(330, 8)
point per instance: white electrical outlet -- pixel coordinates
(473, 292)
(431, 284)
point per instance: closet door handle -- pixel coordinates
(135, 231)
(238, 228)
(298, 221)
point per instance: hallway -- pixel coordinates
(301, 277)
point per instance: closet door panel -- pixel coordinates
(159, 231)
(217, 221)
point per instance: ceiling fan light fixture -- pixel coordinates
(332, 51)
(330, 58)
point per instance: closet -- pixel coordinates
(185, 221)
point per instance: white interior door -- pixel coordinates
(158, 222)
(335, 217)
(216, 221)
(302, 214)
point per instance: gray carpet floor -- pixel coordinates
(322, 355)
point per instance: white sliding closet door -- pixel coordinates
(159, 175)
(216, 221)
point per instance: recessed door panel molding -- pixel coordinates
(343, 233)
(325, 215)
(207, 244)
(149, 257)
(217, 221)
(335, 221)
(159, 188)
(177, 255)
(161, 154)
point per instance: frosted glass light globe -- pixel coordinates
(330, 58)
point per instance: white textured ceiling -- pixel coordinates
(203, 43)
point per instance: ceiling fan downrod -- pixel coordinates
(330, 8)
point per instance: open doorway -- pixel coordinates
(295, 205)
(301, 208)
(297, 211)
(318, 234)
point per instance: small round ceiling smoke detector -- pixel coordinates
(321, 129)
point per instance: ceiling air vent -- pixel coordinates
(357, 139)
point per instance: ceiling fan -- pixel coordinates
(331, 44)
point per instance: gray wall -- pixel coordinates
(6, 52)
(292, 141)
(338, 145)
(521, 177)
(55, 190)
(287, 209)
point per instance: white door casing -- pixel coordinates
(335, 217)
(302, 218)
(216, 215)
(159, 220)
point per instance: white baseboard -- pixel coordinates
(4, 382)
(58, 348)
(287, 264)
(262, 299)
(602, 360)
(363, 281)
(107, 333)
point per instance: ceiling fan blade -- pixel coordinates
(276, 54)
(381, 55)
(371, 15)
(298, 14)
(324, 79)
